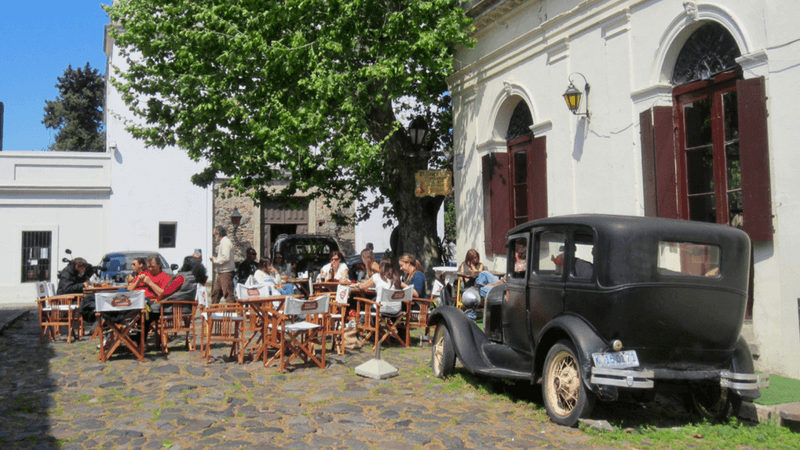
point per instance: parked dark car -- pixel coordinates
(603, 304)
(117, 265)
(305, 252)
(356, 267)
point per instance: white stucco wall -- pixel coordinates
(64, 193)
(152, 186)
(626, 50)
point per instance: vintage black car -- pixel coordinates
(597, 305)
(305, 252)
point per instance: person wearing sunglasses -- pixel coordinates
(336, 270)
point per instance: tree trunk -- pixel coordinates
(416, 216)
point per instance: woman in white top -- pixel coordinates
(266, 274)
(385, 278)
(336, 270)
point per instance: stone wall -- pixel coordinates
(248, 233)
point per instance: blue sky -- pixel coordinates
(38, 40)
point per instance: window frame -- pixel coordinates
(162, 235)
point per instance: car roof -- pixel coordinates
(627, 246)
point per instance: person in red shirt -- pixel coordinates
(153, 281)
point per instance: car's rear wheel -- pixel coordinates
(443, 355)
(710, 401)
(565, 395)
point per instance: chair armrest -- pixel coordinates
(365, 300)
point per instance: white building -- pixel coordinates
(660, 72)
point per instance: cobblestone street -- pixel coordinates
(58, 395)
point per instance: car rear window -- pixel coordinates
(686, 258)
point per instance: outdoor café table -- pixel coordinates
(301, 284)
(100, 288)
(254, 325)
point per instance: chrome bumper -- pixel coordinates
(641, 379)
(743, 381)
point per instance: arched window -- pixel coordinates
(714, 166)
(515, 182)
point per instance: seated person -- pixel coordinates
(385, 278)
(473, 266)
(266, 274)
(247, 267)
(74, 277)
(280, 265)
(152, 282)
(519, 258)
(336, 270)
(137, 267)
(414, 275)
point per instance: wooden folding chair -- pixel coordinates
(177, 316)
(386, 316)
(418, 316)
(224, 323)
(299, 339)
(338, 318)
(57, 311)
(119, 313)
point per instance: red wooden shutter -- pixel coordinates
(495, 202)
(537, 179)
(658, 162)
(754, 157)
(648, 163)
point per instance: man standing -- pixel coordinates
(223, 264)
(248, 266)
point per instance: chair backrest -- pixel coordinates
(43, 290)
(119, 301)
(298, 307)
(342, 293)
(243, 291)
(250, 282)
(391, 300)
(436, 290)
(202, 296)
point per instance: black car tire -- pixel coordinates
(710, 401)
(565, 395)
(443, 355)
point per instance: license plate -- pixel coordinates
(616, 360)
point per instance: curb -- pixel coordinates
(9, 316)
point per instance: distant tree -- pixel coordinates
(77, 113)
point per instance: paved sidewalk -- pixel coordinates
(57, 395)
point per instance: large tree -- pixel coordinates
(311, 92)
(77, 113)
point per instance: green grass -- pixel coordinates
(733, 434)
(780, 390)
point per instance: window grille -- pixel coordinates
(36, 253)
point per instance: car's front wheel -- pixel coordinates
(443, 355)
(565, 395)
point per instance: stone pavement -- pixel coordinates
(57, 395)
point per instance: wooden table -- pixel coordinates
(99, 288)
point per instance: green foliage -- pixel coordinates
(311, 93)
(77, 113)
(450, 218)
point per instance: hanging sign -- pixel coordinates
(433, 182)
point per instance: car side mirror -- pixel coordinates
(106, 259)
(65, 260)
(174, 267)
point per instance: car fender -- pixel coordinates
(742, 362)
(467, 338)
(586, 341)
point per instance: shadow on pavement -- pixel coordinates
(26, 385)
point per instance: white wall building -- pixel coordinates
(645, 149)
